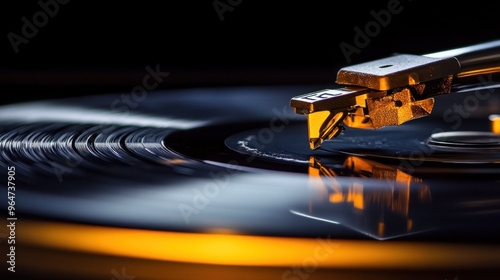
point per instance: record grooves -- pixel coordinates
(210, 144)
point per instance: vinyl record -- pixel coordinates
(216, 180)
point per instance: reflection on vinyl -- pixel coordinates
(225, 177)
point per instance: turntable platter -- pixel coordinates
(188, 184)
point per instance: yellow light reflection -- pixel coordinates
(495, 123)
(409, 224)
(381, 229)
(355, 195)
(480, 71)
(397, 198)
(392, 199)
(226, 249)
(336, 197)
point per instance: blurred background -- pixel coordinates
(57, 49)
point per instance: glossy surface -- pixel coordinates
(205, 183)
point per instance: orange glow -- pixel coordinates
(314, 171)
(227, 249)
(495, 123)
(357, 196)
(395, 197)
(336, 197)
(424, 194)
(409, 224)
(175, 161)
(381, 229)
(401, 199)
(477, 72)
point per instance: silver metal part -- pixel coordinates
(326, 99)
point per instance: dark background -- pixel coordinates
(92, 48)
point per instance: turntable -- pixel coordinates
(207, 188)
(349, 180)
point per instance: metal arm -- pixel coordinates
(391, 90)
(474, 60)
